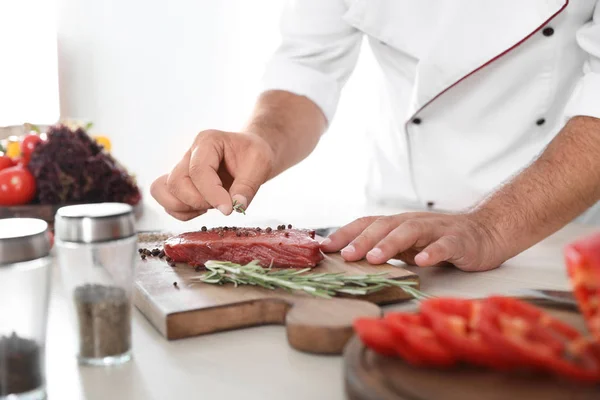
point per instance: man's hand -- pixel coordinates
(424, 239)
(220, 167)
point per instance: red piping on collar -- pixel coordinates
(487, 63)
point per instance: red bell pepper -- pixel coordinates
(535, 339)
(456, 324)
(583, 266)
(416, 342)
(376, 335)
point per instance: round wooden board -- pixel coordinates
(369, 376)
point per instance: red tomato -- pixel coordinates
(538, 340)
(6, 162)
(456, 324)
(51, 238)
(28, 144)
(583, 266)
(376, 335)
(17, 186)
(416, 342)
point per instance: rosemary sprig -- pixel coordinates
(239, 207)
(324, 285)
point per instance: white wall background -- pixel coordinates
(152, 73)
(28, 66)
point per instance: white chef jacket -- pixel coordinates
(472, 90)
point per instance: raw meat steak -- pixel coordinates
(280, 248)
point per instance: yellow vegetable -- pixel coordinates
(104, 142)
(13, 149)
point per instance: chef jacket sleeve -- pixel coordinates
(317, 54)
(586, 97)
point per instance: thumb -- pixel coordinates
(246, 183)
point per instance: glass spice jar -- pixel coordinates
(96, 246)
(24, 292)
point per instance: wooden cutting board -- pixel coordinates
(369, 376)
(313, 325)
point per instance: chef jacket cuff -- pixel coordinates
(585, 100)
(290, 76)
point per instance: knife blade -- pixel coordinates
(324, 232)
(559, 297)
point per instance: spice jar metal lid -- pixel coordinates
(93, 223)
(23, 239)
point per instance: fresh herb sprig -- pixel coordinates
(239, 207)
(324, 285)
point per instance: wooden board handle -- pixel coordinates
(324, 326)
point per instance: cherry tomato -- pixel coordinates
(17, 186)
(28, 144)
(51, 238)
(6, 162)
(416, 342)
(376, 335)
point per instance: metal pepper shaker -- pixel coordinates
(24, 291)
(96, 246)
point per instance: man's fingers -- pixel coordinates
(411, 233)
(180, 186)
(204, 164)
(160, 191)
(249, 176)
(346, 234)
(185, 216)
(368, 238)
(447, 248)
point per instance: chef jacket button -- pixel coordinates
(417, 121)
(430, 204)
(549, 31)
(540, 121)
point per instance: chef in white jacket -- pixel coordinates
(489, 124)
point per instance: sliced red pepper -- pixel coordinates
(376, 335)
(416, 339)
(530, 335)
(456, 325)
(583, 266)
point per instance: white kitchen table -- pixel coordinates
(257, 363)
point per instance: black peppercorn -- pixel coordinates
(143, 256)
(168, 259)
(203, 229)
(268, 229)
(161, 254)
(287, 234)
(140, 251)
(155, 252)
(289, 226)
(175, 284)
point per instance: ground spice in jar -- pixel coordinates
(104, 320)
(20, 365)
